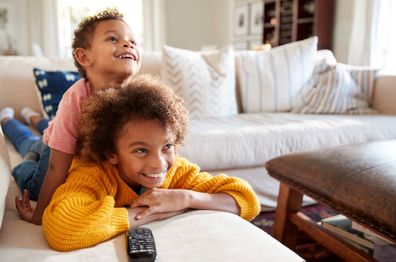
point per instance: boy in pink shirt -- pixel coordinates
(105, 54)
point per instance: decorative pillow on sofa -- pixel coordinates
(205, 80)
(270, 79)
(51, 86)
(337, 89)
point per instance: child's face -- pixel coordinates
(113, 51)
(145, 152)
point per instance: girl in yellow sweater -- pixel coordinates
(126, 172)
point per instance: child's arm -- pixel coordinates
(187, 187)
(59, 164)
(133, 212)
(167, 200)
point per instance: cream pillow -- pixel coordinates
(269, 80)
(337, 89)
(205, 80)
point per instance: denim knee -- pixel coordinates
(30, 174)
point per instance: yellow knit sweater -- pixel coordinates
(89, 207)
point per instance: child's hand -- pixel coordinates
(161, 201)
(133, 212)
(23, 206)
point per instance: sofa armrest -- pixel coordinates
(384, 95)
(4, 175)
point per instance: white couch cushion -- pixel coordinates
(270, 79)
(205, 80)
(193, 236)
(248, 140)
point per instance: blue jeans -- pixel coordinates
(42, 125)
(21, 136)
(29, 174)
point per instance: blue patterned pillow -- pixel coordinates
(52, 85)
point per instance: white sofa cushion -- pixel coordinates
(269, 80)
(248, 140)
(193, 236)
(205, 80)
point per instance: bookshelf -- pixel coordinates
(287, 21)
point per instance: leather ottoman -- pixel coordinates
(358, 181)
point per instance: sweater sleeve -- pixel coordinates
(82, 212)
(188, 176)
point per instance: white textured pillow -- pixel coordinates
(338, 89)
(270, 79)
(205, 80)
(365, 78)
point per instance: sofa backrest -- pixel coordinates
(17, 87)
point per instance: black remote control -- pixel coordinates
(141, 245)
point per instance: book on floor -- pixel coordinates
(342, 226)
(371, 235)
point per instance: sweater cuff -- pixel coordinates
(249, 208)
(120, 219)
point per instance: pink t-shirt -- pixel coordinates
(61, 133)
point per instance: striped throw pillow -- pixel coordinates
(339, 89)
(270, 79)
(205, 80)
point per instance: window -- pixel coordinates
(70, 13)
(387, 37)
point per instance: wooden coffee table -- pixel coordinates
(358, 181)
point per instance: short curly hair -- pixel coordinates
(84, 32)
(105, 114)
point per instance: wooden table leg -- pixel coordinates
(289, 201)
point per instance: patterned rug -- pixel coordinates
(306, 247)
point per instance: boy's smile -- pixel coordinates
(145, 152)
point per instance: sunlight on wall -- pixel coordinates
(70, 13)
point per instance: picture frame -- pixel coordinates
(241, 20)
(256, 18)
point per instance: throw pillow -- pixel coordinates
(51, 86)
(365, 78)
(339, 89)
(270, 79)
(205, 80)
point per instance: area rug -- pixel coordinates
(306, 247)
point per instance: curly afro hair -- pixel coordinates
(105, 114)
(84, 32)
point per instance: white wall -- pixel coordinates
(342, 29)
(189, 24)
(192, 24)
(17, 19)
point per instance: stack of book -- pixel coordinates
(342, 226)
(359, 236)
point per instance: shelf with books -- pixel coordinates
(295, 20)
(342, 226)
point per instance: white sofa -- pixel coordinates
(238, 145)
(192, 236)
